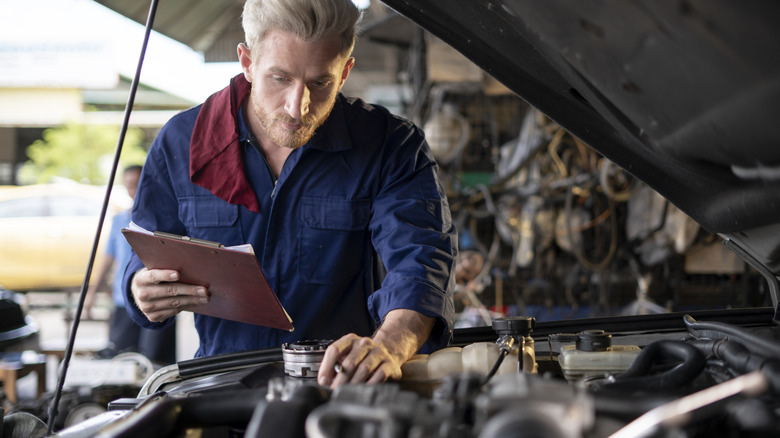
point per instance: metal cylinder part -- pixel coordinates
(302, 358)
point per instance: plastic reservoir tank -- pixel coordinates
(427, 370)
(593, 355)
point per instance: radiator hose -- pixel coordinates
(739, 358)
(688, 362)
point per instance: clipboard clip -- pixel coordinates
(189, 239)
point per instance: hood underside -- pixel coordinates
(683, 95)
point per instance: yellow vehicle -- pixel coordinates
(46, 234)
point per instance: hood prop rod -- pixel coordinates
(771, 278)
(53, 408)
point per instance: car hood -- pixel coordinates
(682, 95)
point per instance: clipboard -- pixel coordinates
(233, 276)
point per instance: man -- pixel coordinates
(123, 334)
(324, 187)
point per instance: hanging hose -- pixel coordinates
(605, 172)
(578, 253)
(53, 411)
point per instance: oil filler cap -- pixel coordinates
(593, 340)
(514, 325)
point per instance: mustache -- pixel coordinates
(307, 120)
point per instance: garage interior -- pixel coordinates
(548, 227)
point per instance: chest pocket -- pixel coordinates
(210, 218)
(334, 239)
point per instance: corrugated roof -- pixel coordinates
(212, 27)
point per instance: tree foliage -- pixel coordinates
(80, 152)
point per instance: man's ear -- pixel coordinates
(245, 59)
(345, 72)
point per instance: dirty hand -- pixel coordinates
(358, 360)
(375, 360)
(159, 296)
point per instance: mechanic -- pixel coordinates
(340, 200)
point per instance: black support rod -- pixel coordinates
(53, 409)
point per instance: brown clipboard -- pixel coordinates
(238, 287)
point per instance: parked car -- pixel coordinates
(46, 234)
(683, 96)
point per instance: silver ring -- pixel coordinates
(337, 368)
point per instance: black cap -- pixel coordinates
(514, 325)
(593, 340)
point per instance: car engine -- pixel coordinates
(688, 377)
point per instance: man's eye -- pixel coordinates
(320, 84)
(279, 79)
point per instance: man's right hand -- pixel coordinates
(159, 296)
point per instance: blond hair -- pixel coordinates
(312, 20)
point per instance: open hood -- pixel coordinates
(683, 95)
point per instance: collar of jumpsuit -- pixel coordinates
(215, 145)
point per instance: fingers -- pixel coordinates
(357, 359)
(159, 296)
(333, 356)
(354, 363)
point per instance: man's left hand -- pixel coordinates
(355, 359)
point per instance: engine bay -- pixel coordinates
(690, 376)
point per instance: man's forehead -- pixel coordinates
(286, 53)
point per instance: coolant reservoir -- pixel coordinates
(593, 355)
(416, 368)
(478, 357)
(423, 372)
(443, 362)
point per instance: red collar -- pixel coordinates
(215, 153)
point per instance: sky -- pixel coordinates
(168, 65)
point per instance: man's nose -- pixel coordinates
(298, 101)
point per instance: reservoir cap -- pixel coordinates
(514, 325)
(593, 340)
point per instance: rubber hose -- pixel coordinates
(690, 364)
(741, 359)
(209, 364)
(756, 344)
(501, 354)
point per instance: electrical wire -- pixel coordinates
(578, 253)
(502, 353)
(53, 408)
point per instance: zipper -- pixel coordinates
(253, 142)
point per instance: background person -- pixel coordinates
(125, 335)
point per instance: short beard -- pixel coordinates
(296, 139)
